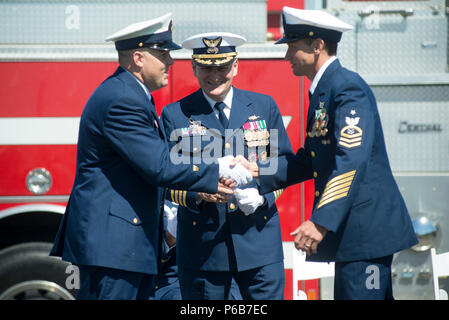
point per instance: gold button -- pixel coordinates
(195, 149)
(311, 33)
(140, 44)
(315, 174)
(135, 220)
(317, 194)
(195, 168)
(309, 134)
(227, 145)
(312, 154)
(265, 217)
(156, 287)
(194, 223)
(232, 206)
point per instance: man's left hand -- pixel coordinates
(248, 200)
(308, 235)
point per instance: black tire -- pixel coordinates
(27, 272)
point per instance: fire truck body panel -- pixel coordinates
(50, 69)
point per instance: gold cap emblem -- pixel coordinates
(212, 44)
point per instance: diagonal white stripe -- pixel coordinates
(39, 130)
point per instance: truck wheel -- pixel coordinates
(27, 272)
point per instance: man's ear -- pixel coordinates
(318, 45)
(137, 58)
(236, 67)
(194, 68)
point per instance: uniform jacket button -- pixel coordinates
(135, 220)
(227, 145)
(315, 174)
(194, 223)
(312, 154)
(232, 206)
(317, 194)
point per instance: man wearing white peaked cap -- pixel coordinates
(222, 240)
(112, 227)
(359, 219)
(155, 33)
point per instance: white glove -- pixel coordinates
(248, 200)
(172, 219)
(238, 173)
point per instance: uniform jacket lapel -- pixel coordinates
(240, 112)
(200, 110)
(321, 89)
(141, 94)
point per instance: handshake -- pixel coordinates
(235, 173)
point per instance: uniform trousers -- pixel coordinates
(364, 280)
(263, 283)
(99, 283)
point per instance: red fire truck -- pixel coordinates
(52, 57)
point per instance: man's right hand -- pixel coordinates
(216, 198)
(236, 172)
(252, 167)
(226, 186)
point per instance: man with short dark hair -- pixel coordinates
(359, 219)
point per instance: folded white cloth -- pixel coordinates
(171, 214)
(238, 173)
(248, 200)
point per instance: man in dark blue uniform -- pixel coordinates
(359, 219)
(224, 239)
(112, 225)
(167, 281)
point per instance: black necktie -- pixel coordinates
(221, 115)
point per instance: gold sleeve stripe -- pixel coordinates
(331, 194)
(277, 193)
(340, 177)
(330, 185)
(338, 187)
(179, 197)
(184, 198)
(342, 195)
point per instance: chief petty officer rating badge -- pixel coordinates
(351, 134)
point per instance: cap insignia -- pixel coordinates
(212, 44)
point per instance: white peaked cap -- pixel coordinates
(155, 33)
(300, 23)
(213, 48)
(228, 39)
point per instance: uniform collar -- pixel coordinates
(142, 85)
(227, 100)
(320, 73)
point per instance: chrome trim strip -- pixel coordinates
(20, 199)
(53, 208)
